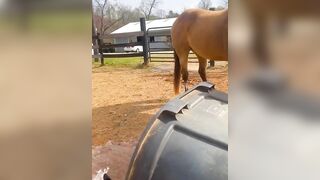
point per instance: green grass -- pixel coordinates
(131, 62)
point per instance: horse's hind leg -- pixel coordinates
(185, 75)
(182, 51)
(184, 68)
(184, 72)
(202, 68)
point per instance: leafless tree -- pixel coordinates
(161, 13)
(105, 16)
(172, 14)
(220, 4)
(128, 14)
(225, 3)
(146, 7)
(101, 5)
(204, 4)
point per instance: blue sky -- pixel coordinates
(175, 5)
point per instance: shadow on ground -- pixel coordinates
(109, 124)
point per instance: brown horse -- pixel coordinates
(206, 34)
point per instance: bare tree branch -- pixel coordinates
(204, 4)
(110, 25)
(146, 7)
(108, 15)
(153, 4)
(101, 7)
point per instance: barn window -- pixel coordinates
(139, 39)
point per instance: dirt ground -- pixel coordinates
(116, 156)
(125, 98)
(123, 101)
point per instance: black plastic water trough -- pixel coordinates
(186, 140)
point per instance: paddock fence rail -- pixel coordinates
(163, 54)
(99, 47)
(151, 52)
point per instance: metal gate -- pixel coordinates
(161, 50)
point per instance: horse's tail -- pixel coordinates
(177, 73)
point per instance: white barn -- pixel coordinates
(158, 36)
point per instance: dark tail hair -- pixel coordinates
(177, 73)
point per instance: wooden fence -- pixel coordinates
(149, 54)
(99, 46)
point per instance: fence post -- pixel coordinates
(100, 49)
(94, 41)
(145, 41)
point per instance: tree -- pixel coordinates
(101, 10)
(115, 15)
(204, 4)
(225, 3)
(220, 4)
(128, 14)
(161, 13)
(105, 16)
(147, 6)
(172, 14)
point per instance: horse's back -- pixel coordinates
(184, 22)
(203, 31)
(181, 26)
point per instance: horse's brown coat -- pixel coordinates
(205, 33)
